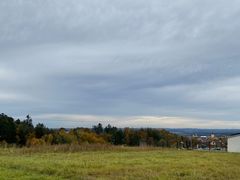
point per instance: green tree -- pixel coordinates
(98, 129)
(119, 137)
(40, 130)
(25, 130)
(7, 129)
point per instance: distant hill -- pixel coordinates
(203, 132)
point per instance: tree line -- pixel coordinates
(23, 133)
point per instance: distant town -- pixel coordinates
(210, 139)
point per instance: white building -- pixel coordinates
(234, 143)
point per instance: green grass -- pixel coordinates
(117, 163)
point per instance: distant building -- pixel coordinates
(212, 135)
(234, 143)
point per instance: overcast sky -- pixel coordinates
(136, 63)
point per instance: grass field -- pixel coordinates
(117, 163)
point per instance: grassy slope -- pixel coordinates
(119, 164)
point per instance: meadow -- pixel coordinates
(103, 162)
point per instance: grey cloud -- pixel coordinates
(120, 58)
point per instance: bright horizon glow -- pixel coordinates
(76, 120)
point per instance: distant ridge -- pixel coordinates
(203, 132)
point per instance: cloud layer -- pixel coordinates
(121, 59)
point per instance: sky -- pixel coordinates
(130, 63)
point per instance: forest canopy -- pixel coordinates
(24, 133)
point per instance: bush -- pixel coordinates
(35, 142)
